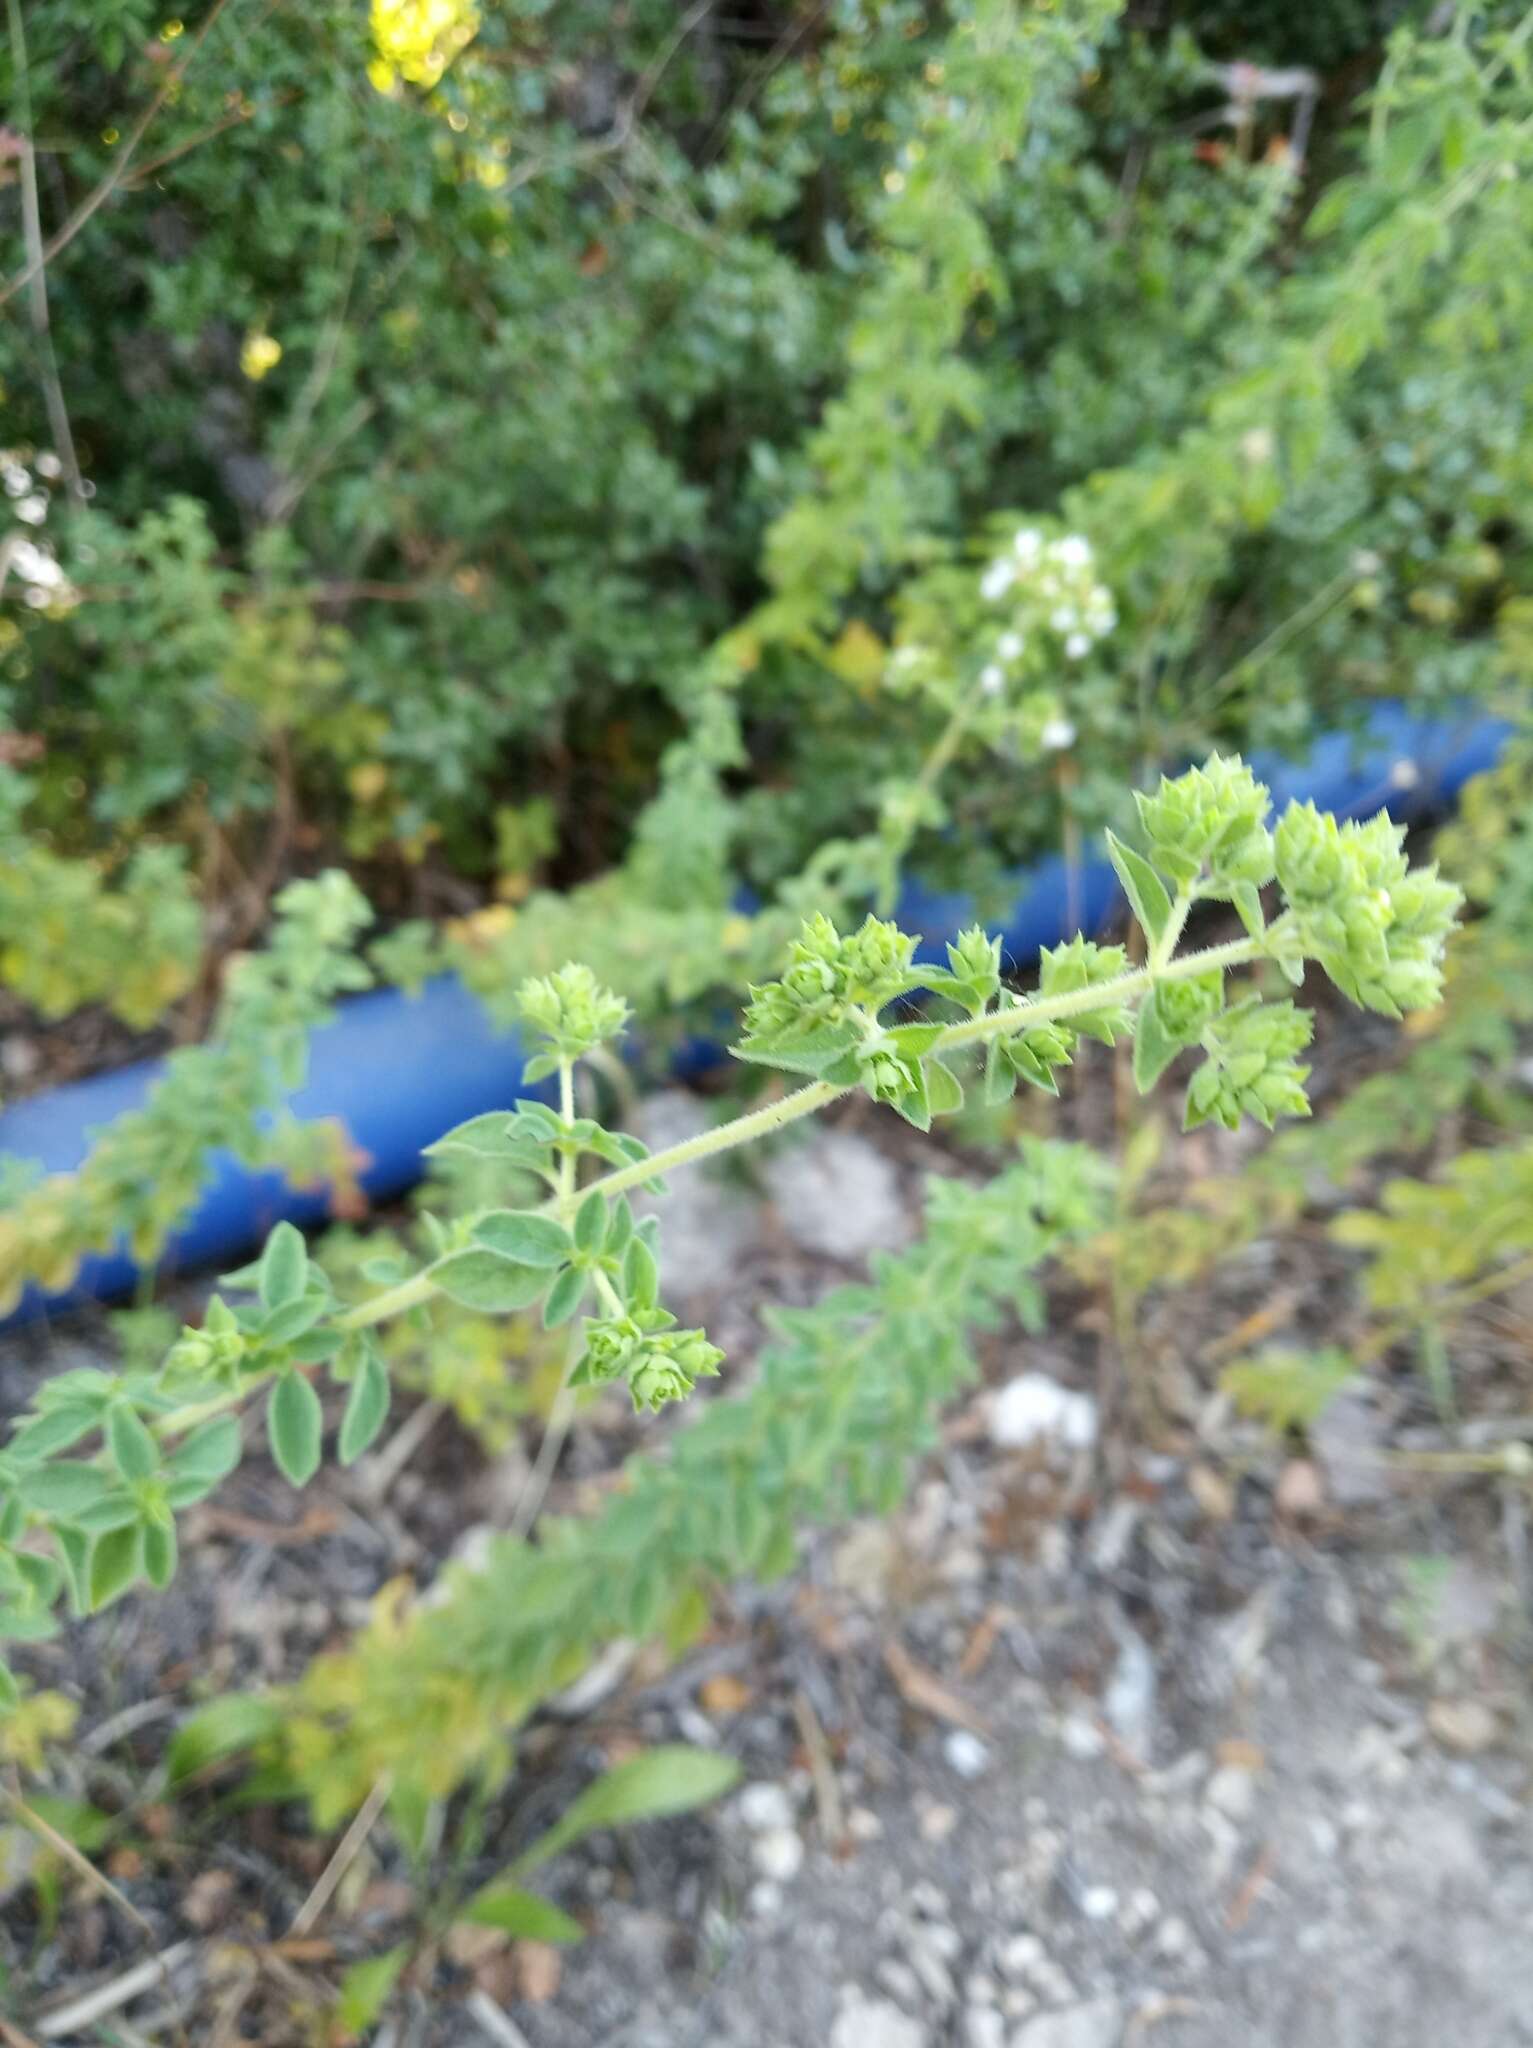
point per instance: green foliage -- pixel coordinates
(102, 1463)
(146, 1170)
(67, 938)
(1288, 1390)
(907, 397)
(669, 1779)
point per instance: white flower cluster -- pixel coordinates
(32, 562)
(1047, 583)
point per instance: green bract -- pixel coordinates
(573, 1012)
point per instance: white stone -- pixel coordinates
(837, 1195)
(874, 2023)
(966, 1754)
(1020, 1957)
(1099, 1902)
(1097, 2024)
(778, 1854)
(765, 1899)
(900, 1981)
(1033, 1408)
(1173, 1938)
(935, 1977)
(764, 1806)
(1080, 1737)
(1232, 1792)
(983, 2027)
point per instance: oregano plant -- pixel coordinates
(94, 1477)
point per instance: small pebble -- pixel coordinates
(1033, 1407)
(873, 2023)
(983, 2027)
(900, 1981)
(764, 1806)
(943, 1940)
(1099, 1902)
(1173, 1938)
(863, 1824)
(935, 1976)
(1232, 1792)
(778, 1854)
(966, 1754)
(1080, 1738)
(1464, 1726)
(765, 1899)
(1019, 1957)
(1141, 1911)
(935, 1821)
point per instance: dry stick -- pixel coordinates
(32, 229)
(346, 1853)
(107, 1998)
(82, 1865)
(500, 2027)
(827, 1793)
(114, 177)
(380, 1471)
(157, 1966)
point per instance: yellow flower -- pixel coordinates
(258, 354)
(418, 39)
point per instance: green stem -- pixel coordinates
(1166, 944)
(612, 1301)
(566, 1194)
(1103, 995)
(788, 1109)
(758, 1123)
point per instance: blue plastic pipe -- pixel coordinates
(399, 1070)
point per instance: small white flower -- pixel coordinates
(1064, 618)
(906, 657)
(1009, 647)
(48, 465)
(1365, 562)
(1257, 444)
(1027, 545)
(992, 680)
(1078, 645)
(1101, 615)
(34, 510)
(1058, 734)
(1074, 550)
(997, 579)
(33, 564)
(16, 480)
(37, 597)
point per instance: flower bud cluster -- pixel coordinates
(1376, 926)
(1251, 1069)
(828, 975)
(572, 1010)
(659, 1363)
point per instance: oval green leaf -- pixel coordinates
(294, 1426)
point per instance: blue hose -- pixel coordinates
(399, 1070)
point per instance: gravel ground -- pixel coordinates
(1093, 1745)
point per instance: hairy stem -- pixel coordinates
(774, 1116)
